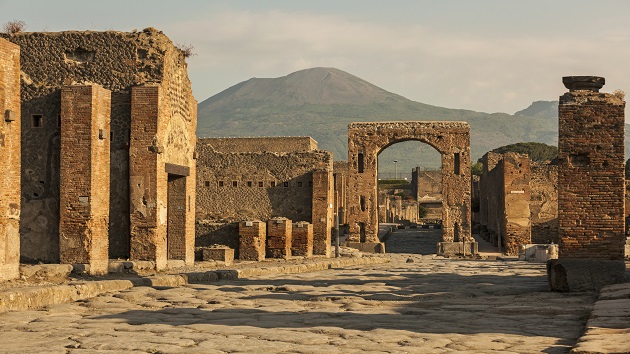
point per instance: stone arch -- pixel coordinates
(367, 140)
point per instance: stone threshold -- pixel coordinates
(35, 297)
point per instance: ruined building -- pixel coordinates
(246, 179)
(590, 187)
(9, 160)
(108, 126)
(504, 200)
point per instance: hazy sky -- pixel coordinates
(490, 56)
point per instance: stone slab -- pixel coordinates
(449, 249)
(368, 247)
(584, 274)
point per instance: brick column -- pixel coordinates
(9, 160)
(84, 177)
(322, 212)
(252, 237)
(302, 239)
(279, 232)
(590, 187)
(148, 218)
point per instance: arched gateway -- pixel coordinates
(365, 143)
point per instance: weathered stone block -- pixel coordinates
(449, 249)
(584, 274)
(367, 247)
(218, 253)
(252, 240)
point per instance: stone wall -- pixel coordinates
(117, 61)
(367, 140)
(591, 174)
(9, 160)
(237, 186)
(268, 144)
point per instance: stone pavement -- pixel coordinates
(425, 305)
(414, 304)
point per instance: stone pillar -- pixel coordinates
(279, 232)
(590, 187)
(84, 177)
(9, 160)
(302, 239)
(148, 218)
(322, 211)
(252, 237)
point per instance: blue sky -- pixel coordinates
(490, 55)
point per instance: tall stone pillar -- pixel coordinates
(590, 187)
(322, 211)
(148, 218)
(9, 160)
(84, 177)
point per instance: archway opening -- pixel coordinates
(409, 184)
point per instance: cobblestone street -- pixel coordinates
(415, 304)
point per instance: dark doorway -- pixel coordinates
(176, 219)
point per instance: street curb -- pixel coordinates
(30, 298)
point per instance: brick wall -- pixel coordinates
(268, 144)
(9, 160)
(84, 177)
(591, 175)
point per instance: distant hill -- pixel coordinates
(539, 152)
(321, 102)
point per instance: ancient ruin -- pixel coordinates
(367, 140)
(504, 201)
(249, 179)
(132, 172)
(590, 187)
(9, 160)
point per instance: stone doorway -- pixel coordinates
(176, 217)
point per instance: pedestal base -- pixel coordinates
(584, 274)
(450, 249)
(367, 247)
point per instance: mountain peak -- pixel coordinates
(309, 86)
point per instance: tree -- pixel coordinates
(538, 152)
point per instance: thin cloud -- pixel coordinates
(502, 72)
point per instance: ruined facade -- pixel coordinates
(151, 141)
(340, 176)
(264, 178)
(367, 140)
(590, 187)
(504, 201)
(9, 160)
